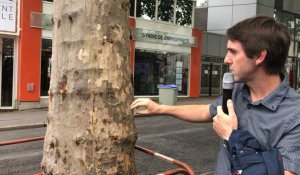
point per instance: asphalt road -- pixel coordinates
(192, 143)
(21, 159)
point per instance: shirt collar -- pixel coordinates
(273, 100)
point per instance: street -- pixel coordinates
(192, 143)
(21, 159)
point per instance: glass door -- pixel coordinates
(6, 71)
(211, 79)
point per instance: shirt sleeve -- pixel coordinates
(289, 147)
(214, 105)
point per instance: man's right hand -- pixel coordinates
(144, 106)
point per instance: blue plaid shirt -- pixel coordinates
(274, 121)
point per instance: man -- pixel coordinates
(262, 102)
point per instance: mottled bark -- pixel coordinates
(90, 125)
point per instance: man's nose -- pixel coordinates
(227, 59)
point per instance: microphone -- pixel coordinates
(227, 85)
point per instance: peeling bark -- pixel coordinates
(90, 124)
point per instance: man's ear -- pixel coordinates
(259, 59)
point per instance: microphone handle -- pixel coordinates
(227, 94)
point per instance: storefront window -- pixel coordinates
(166, 10)
(145, 9)
(7, 68)
(45, 66)
(184, 12)
(153, 68)
(132, 4)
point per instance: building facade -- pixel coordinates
(216, 16)
(164, 49)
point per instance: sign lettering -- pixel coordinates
(8, 14)
(163, 37)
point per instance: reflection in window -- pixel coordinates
(166, 10)
(154, 67)
(184, 12)
(287, 19)
(45, 66)
(145, 9)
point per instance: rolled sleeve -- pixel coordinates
(289, 147)
(214, 105)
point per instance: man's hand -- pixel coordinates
(224, 124)
(144, 106)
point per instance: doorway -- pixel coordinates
(6, 71)
(211, 78)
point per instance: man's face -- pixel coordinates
(242, 67)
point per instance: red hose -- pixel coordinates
(11, 142)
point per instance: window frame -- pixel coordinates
(174, 13)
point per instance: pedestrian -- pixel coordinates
(263, 104)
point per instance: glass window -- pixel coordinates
(7, 71)
(154, 67)
(145, 9)
(298, 28)
(45, 66)
(132, 4)
(287, 19)
(298, 50)
(184, 12)
(201, 3)
(278, 4)
(166, 10)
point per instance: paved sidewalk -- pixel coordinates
(37, 117)
(23, 119)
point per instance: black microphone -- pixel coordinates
(227, 85)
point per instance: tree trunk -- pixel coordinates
(90, 124)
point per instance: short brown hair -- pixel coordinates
(263, 33)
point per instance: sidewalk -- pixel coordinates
(23, 119)
(37, 117)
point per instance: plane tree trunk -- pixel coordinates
(90, 125)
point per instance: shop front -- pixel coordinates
(8, 36)
(6, 71)
(212, 72)
(165, 54)
(161, 52)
